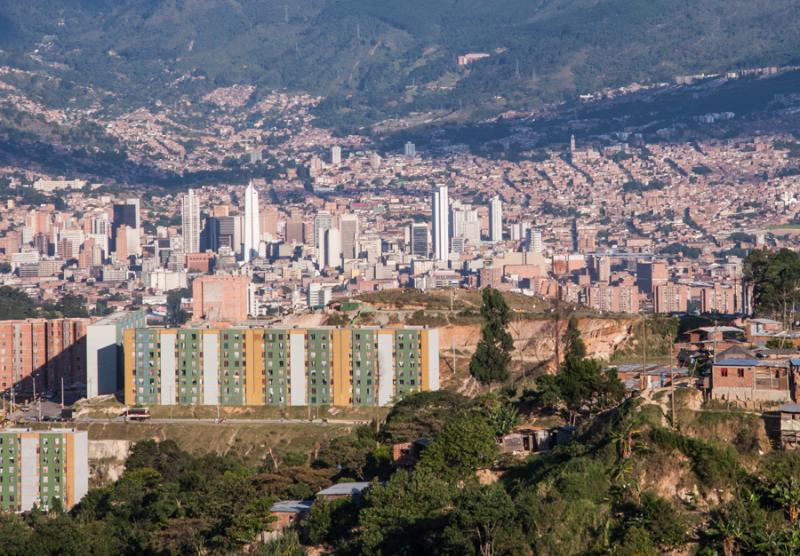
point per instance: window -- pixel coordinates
(723, 371)
(740, 373)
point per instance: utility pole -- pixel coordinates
(453, 345)
(358, 31)
(62, 392)
(672, 384)
(644, 346)
(714, 340)
(286, 13)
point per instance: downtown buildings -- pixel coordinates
(364, 366)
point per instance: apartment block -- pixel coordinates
(39, 467)
(104, 361)
(721, 299)
(671, 298)
(44, 350)
(613, 299)
(220, 298)
(281, 367)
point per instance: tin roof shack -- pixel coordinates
(750, 380)
(527, 441)
(288, 513)
(789, 433)
(342, 490)
(531, 441)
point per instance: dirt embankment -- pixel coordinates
(535, 340)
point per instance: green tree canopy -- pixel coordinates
(465, 444)
(492, 356)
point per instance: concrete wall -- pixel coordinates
(167, 368)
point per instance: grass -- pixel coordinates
(251, 442)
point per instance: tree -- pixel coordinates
(775, 278)
(573, 343)
(492, 357)
(405, 515)
(465, 444)
(484, 521)
(71, 305)
(422, 415)
(583, 386)
(176, 316)
(15, 304)
(786, 493)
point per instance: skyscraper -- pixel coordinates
(333, 248)
(336, 155)
(496, 219)
(190, 221)
(439, 218)
(252, 232)
(349, 228)
(322, 223)
(419, 239)
(410, 149)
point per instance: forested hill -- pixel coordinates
(379, 58)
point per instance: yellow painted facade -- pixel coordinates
(129, 360)
(69, 474)
(425, 366)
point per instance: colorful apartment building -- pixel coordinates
(279, 366)
(44, 350)
(39, 467)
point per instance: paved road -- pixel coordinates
(162, 421)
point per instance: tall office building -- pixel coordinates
(322, 223)
(190, 220)
(333, 248)
(410, 149)
(496, 219)
(348, 225)
(441, 228)
(127, 215)
(38, 468)
(419, 239)
(252, 232)
(279, 366)
(336, 155)
(533, 240)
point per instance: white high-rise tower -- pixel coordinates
(441, 228)
(496, 219)
(190, 222)
(252, 231)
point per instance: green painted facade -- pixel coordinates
(276, 367)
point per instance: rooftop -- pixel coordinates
(291, 506)
(344, 489)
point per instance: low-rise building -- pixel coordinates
(750, 380)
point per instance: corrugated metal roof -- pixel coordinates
(343, 489)
(738, 363)
(291, 506)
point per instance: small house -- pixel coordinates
(342, 490)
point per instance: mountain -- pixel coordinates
(374, 59)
